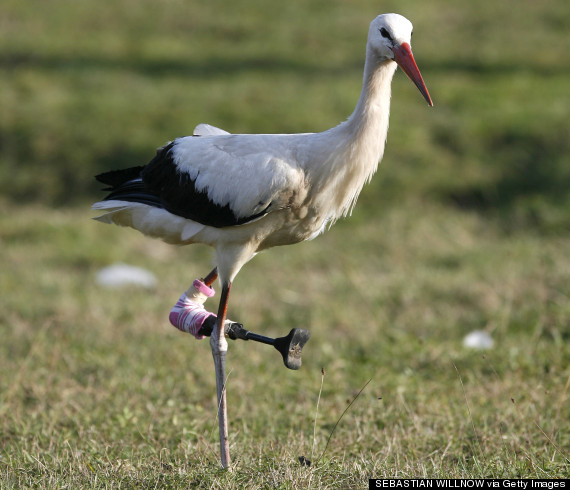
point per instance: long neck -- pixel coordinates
(356, 146)
(368, 124)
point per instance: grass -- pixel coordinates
(464, 228)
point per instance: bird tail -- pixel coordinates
(112, 208)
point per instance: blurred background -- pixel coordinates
(466, 227)
(88, 87)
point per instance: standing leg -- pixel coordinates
(219, 347)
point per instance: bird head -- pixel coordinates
(389, 38)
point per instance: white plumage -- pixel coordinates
(244, 193)
(294, 185)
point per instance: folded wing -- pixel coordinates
(215, 179)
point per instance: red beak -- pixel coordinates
(405, 59)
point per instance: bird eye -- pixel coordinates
(385, 33)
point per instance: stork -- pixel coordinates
(244, 193)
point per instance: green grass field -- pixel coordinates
(465, 227)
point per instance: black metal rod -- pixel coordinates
(235, 331)
(290, 346)
(259, 338)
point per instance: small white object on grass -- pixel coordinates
(478, 339)
(120, 275)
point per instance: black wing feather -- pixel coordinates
(161, 184)
(115, 178)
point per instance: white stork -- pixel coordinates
(244, 193)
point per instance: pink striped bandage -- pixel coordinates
(199, 292)
(188, 314)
